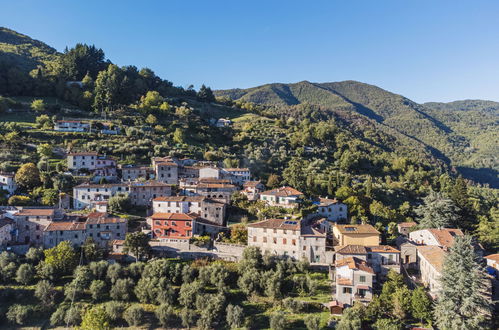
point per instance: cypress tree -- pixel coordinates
(462, 302)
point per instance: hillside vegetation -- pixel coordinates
(452, 132)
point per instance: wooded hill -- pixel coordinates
(462, 133)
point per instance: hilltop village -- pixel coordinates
(187, 205)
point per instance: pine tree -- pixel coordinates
(421, 305)
(437, 211)
(462, 301)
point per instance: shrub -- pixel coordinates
(164, 314)
(134, 315)
(25, 274)
(19, 314)
(122, 289)
(98, 290)
(114, 309)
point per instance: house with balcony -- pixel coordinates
(286, 197)
(353, 281)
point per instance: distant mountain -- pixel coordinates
(19, 50)
(463, 133)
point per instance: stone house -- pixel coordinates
(353, 281)
(170, 227)
(135, 172)
(404, 228)
(77, 161)
(221, 192)
(289, 238)
(143, 193)
(286, 197)
(30, 224)
(365, 235)
(206, 208)
(6, 230)
(166, 171)
(60, 231)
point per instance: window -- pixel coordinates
(275, 240)
(347, 290)
(254, 238)
(362, 279)
(275, 231)
(304, 248)
(293, 242)
(265, 240)
(284, 241)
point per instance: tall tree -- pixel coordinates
(437, 211)
(28, 176)
(462, 301)
(137, 243)
(76, 62)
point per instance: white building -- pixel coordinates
(8, 182)
(443, 237)
(237, 176)
(430, 264)
(206, 208)
(222, 122)
(332, 209)
(289, 238)
(353, 280)
(382, 258)
(71, 126)
(82, 160)
(286, 197)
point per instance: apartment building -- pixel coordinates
(171, 227)
(166, 171)
(77, 161)
(289, 238)
(365, 235)
(353, 281)
(143, 193)
(135, 172)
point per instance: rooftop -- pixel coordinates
(236, 169)
(327, 201)
(283, 191)
(357, 229)
(66, 225)
(494, 257)
(35, 212)
(445, 236)
(407, 224)
(174, 216)
(251, 183)
(277, 224)
(433, 254)
(103, 218)
(355, 263)
(88, 153)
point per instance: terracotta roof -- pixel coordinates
(235, 169)
(35, 212)
(356, 229)
(215, 185)
(363, 287)
(166, 163)
(283, 191)
(445, 236)
(355, 263)
(494, 257)
(118, 242)
(90, 153)
(407, 224)
(107, 185)
(433, 254)
(180, 199)
(383, 248)
(102, 218)
(251, 183)
(327, 201)
(334, 303)
(352, 249)
(65, 226)
(277, 224)
(213, 180)
(311, 231)
(173, 216)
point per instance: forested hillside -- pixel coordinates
(379, 152)
(454, 134)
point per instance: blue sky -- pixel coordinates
(425, 50)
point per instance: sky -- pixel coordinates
(425, 50)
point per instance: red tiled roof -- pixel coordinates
(352, 249)
(215, 185)
(251, 183)
(277, 224)
(433, 254)
(355, 263)
(383, 248)
(327, 201)
(494, 257)
(445, 236)
(89, 153)
(172, 216)
(407, 224)
(65, 226)
(180, 199)
(102, 218)
(35, 212)
(283, 191)
(357, 229)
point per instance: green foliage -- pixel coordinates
(137, 244)
(62, 258)
(119, 203)
(436, 211)
(235, 316)
(312, 322)
(278, 321)
(25, 274)
(95, 318)
(134, 315)
(28, 176)
(38, 105)
(164, 314)
(461, 302)
(19, 314)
